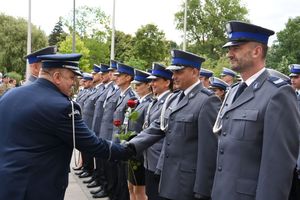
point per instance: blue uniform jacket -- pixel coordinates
(36, 142)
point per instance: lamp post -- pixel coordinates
(112, 49)
(28, 38)
(184, 26)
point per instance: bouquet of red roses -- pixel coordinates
(130, 114)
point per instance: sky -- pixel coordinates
(132, 14)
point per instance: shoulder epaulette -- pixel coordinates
(278, 82)
(207, 91)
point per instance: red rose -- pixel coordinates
(117, 122)
(131, 103)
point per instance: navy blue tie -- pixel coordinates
(240, 90)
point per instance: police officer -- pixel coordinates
(136, 170)
(204, 76)
(295, 81)
(219, 87)
(228, 76)
(161, 83)
(98, 178)
(35, 64)
(188, 158)
(125, 75)
(258, 125)
(36, 133)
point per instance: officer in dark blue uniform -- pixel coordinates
(35, 63)
(36, 133)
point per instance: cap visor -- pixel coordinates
(77, 72)
(233, 43)
(175, 68)
(293, 75)
(135, 82)
(152, 77)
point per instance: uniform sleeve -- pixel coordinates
(85, 139)
(148, 137)
(280, 146)
(207, 147)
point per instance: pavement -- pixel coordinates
(77, 190)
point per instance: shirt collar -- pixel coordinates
(254, 77)
(162, 94)
(123, 92)
(187, 91)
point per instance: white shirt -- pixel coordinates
(254, 77)
(187, 91)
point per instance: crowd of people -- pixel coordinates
(171, 133)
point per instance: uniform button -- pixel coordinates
(224, 133)
(169, 131)
(168, 143)
(167, 155)
(221, 151)
(220, 168)
(226, 117)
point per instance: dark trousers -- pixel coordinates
(295, 190)
(116, 174)
(99, 173)
(87, 162)
(152, 182)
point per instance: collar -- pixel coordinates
(162, 94)
(144, 97)
(123, 92)
(254, 77)
(187, 91)
(107, 84)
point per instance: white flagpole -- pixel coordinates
(184, 25)
(28, 38)
(74, 31)
(112, 49)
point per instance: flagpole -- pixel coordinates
(112, 49)
(28, 38)
(74, 31)
(184, 25)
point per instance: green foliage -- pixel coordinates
(206, 24)
(123, 46)
(286, 50)
(15, 75)
(91, 22)
(66, 47)
(58, 34)
(99, 51)
(13, 42)
(149, 45)
(216, 65)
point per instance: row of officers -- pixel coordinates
(189, 144)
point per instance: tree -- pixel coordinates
(13, 42)
(206, 24)
(90, 23)
(286, 50)
(66, 47)
(149, 45)
(99, 51)
(123, 46)
(58, 34)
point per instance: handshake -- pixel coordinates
(122, 151)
